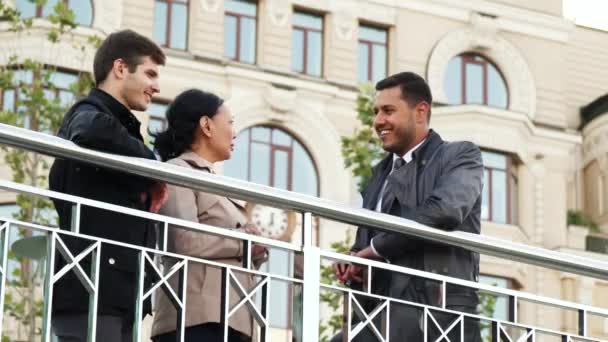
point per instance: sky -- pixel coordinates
(592, 13)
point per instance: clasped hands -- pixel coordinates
(351, 272)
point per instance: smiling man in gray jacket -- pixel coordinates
(430, 181)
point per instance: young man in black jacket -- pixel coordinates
(126, 74)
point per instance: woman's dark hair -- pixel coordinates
(183, 116)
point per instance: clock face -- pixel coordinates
(273, 222)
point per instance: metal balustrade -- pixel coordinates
(313, 256)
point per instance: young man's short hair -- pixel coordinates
(414, 88)
(127, 45)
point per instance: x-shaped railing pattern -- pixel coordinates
(247, 298)
(367, 320)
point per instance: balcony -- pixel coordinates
(308, 287)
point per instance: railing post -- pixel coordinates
(48, 287)
(312, 264)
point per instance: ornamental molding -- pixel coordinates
(210, 6)
(482, 37)
(278, 12)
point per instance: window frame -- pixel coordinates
(167, 19)
(239, 17)
(305, 31)
(370, 52)
(509, 171)
(40, 8)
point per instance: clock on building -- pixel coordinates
(273, 223)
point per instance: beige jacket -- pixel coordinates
(203, 299)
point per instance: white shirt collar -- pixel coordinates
(407, 157)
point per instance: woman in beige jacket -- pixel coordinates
(199, 134)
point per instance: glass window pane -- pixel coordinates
(279, 137)
(157, 109)
(48, 7)
(494, 160)
(297, 52)
(279, 264)
(497, 89)
(474, 79)
(248, 38)
(379, 63)
(241, 7)
(26, 8)
(306, 20)
(160, 23)
(281, 167)
(372, 34)
(156, 125)
(452, 81)
(314, 53)
(485, 196)
(66, 98)
(8, 100)
(304, 176)
(179, 25)
(22, 76)
(230, 36)
(499, 196)
(237, 165)
(83, 9)
(260, 163)
(63, 80)
(363, 63)
(260, 134)
(501, 306)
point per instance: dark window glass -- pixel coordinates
(372, 51)
(171, 23)
(472, 79)
(240, 34)
(83, 9)
(307, 41)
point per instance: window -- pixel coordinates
(157, 120)
(373, 47)
(270, 156)
(60, 81)
(499, 198)
(307, 53)
(240, 30)
(472, 79)
(83, 9)
(500, 309)
(171, 23)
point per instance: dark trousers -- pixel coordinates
(73, 328)
(208, 332)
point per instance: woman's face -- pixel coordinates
(224, 135)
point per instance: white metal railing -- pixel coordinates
(313, 256)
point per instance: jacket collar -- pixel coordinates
(117, 109)
(197, 161)
(423, 153)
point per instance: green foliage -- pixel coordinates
(579, 218)
(363, 149)
(333, 300)
(487, 305)
(31, 81)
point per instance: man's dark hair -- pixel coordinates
(414, 88)
(127, 45)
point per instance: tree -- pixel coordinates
(37, 106)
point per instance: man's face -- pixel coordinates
(395, 121)
(139, 86)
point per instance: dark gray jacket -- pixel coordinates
(441, 187)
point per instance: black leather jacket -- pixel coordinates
(102, 123)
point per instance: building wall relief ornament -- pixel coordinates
(278, 12)
(210, 6)
(482, 36)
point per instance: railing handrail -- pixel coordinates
(173, 174)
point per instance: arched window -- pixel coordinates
(83, 9)
(271, 156)
(473, 79)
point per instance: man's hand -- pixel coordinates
(159, 194)
(341, 269)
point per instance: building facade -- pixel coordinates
(513, 76)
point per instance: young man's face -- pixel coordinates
(139, 86)
(395, 121)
